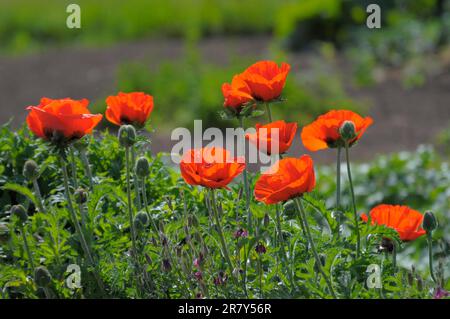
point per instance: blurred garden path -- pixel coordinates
(403, 118)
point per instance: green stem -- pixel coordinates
(246, 183)
(219, 230)
(338, 178)
(74, 168)
(260, 276)
(430, 255)
(313, 247)
(27, 248)
(144, 196)
(269, 112)
(394, 255)
(131, 217)
(355, 214)
(135, 180)
(37, 192)
(284, 256)
(87, 168)
(73, 215)
(47, 293)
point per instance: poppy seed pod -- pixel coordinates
(429, 222)
(127, 135)
(141, 220)
(142, 167)
(80, 196)
(31, 170)
(347, 131)
(20, 212)
(42, 276)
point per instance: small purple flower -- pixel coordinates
(198, 261)
(199, 295)
(240, 233)
(198, 275)
(221, 279)
(260, 248)
(440, 293)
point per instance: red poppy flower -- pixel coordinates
(265, 135)
(236, 94)
(324, 132)
(129, 108)
(288, 178)
(403, 219)
(70, 118)
(266, 80)
(210, 167)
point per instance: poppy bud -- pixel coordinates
(141, 221)
(80, 196)
(142, 167)
(42, 276)
(347, 131)
(260, 248)
(31, 170)
(429, 222)
(127, 135)
(20, 212)
(4, 233)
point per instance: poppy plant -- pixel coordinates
(286, 179)
(61, 120)
(403, 219)
(273, 138)
(236, 94)
(324, 132)
(129, 108)
(266, 79)
(210, 167)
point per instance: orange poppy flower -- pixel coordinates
(129, 108)
(266, 80)
(236, 94)
(288, 178)
(324, 132)
(403, 219)
(210, 167)
(263, 138)
(68, 117)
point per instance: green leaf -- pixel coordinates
(21, 190)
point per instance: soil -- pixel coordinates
(403, 118)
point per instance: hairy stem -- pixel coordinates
(27, 247)
(219, 230)
(313, 247)
(87, 168)
(73, 215)
(135, 180)
(246, 183)
(37, 192)
(430, 256)
(131, 217)
(355, 214)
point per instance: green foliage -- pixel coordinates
(187, 233)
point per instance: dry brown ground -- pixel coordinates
(403, 118)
